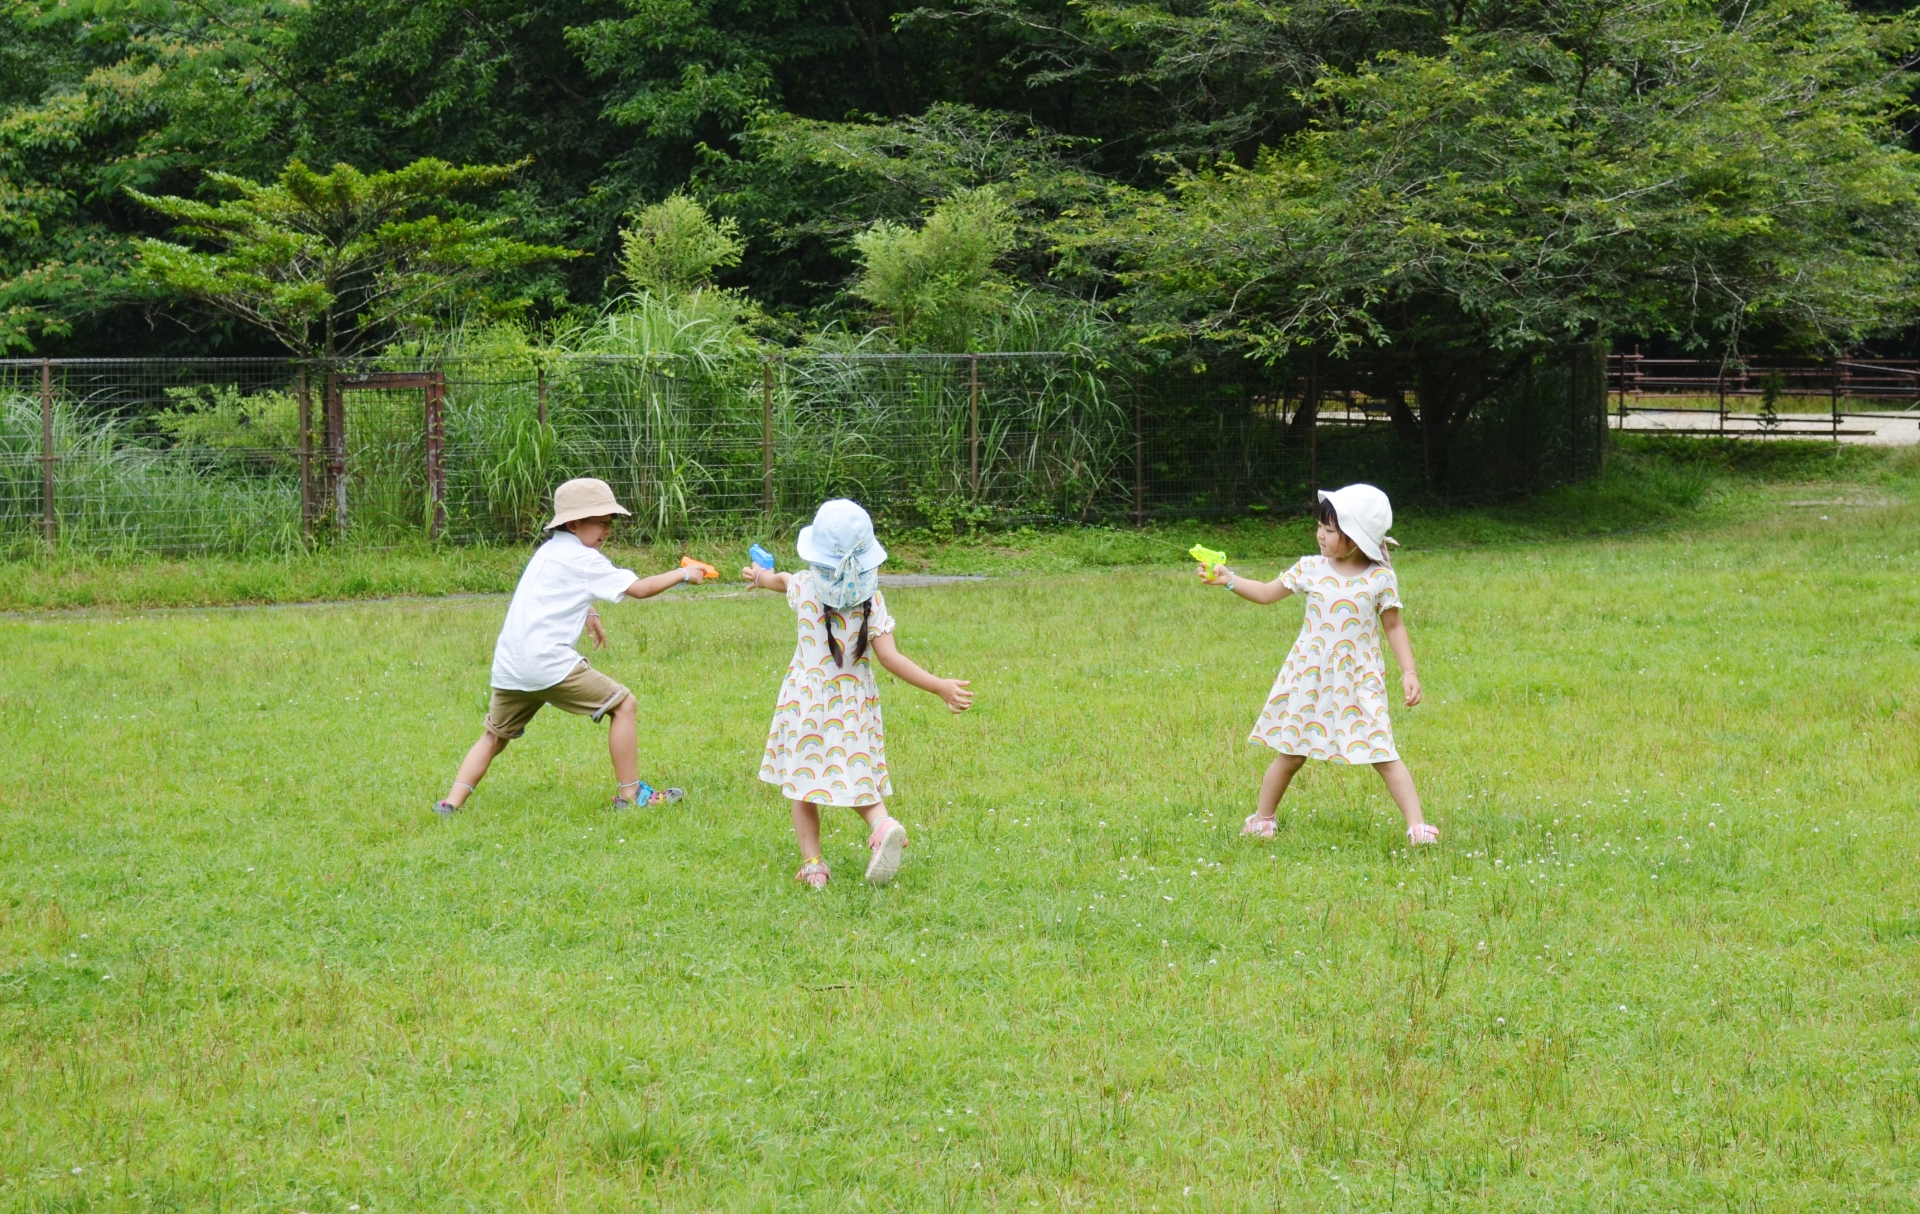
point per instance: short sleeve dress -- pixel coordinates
(1330, 700)
(827, 744)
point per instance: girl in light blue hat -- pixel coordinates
(827, 745)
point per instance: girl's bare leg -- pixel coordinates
(1400, 788)
(1273, 785)
(806, 828)
(473, 768)
(806, 823)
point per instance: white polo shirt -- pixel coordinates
(549, 608)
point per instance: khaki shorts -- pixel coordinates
(585, 693)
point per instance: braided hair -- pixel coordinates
(833, 643)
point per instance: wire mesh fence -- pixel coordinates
(262, 455)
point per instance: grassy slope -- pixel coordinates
(1666, 958)
(1650, 482)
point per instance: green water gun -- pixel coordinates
(1207, 557)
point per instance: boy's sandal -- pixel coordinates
(888, 843)
(645, 794)
(1259, 827)
(1425, 832)
(446, 808)
(813, 874)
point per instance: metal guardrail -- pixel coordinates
(1636, 383)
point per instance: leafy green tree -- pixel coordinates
(937, 284)
(805, 189)
(1649, 169)
(674, 246)
(335, 264)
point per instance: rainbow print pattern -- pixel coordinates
(1330, 700)
(827, 744)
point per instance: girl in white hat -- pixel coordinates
(1330, 701)
(827, 745)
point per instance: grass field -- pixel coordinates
(1666, 957)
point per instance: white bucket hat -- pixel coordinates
(1365, 516)
(841, 547)
(583, 498)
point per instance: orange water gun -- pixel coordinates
(706, 571)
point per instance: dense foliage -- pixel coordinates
(1441, 189)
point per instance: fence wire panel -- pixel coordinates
(1242, 438)
(263, 455)
(155, 456)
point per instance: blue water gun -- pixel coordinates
(761, 557)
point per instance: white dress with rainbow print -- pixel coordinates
(1330, 701)
(827, 744)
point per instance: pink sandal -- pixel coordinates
(887, 843)
(1425, 832)
(1259, 827)
(813, 874)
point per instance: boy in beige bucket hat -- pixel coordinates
(534, 661)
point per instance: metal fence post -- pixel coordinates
(766, 436)
(305, 396)
(1313, 425)
(542, 406)
(1722, 388)
(1573, 412)
(973, 410)
(1527, 466)
(1599, 355)
(1139, 463)
(436, 394)
(1838, 371)
(335, 407)
(46, 450)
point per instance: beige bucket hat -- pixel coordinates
(584, 497)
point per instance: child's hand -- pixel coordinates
(596, 631)
(1410, 684)
(1216, 576)
(751, 573)
(955, 693)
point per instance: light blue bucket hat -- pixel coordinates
(845, 556)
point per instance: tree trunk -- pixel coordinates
(1405, 423)
(1438, 395)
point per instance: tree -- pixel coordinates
(334, 264)
(1643, 169)
(936, 284)
(805, 189)
(673, 247)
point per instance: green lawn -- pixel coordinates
(1666, 957)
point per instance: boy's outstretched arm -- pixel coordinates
(904, 668)
(1396, 630)
(647, 587)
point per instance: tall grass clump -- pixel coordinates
(857, 416)
(116, 490)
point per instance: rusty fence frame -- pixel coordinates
(1157, 457)
(1638, 384)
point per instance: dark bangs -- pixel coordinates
(1325, 513)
